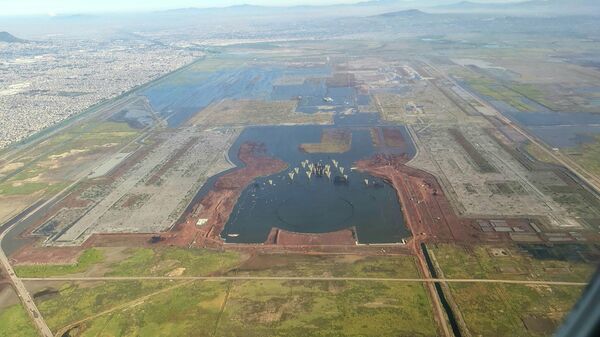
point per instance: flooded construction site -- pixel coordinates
(320, 191)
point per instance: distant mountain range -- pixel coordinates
(531, 7)
(252, 15)
(9, 38)
(408, 13)
(373, 7)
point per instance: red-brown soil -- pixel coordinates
(376, 137)
(54, 255)
(219, 202)
(285, 238)
(427, 212)
(332, 141)
(393, 137)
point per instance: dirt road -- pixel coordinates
(300, 278)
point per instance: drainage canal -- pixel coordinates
(440, 292)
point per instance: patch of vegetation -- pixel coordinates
(23, 188)
(28, 188)
(500, 309)
(191, 310)
(275, 308)
(162, 261)
(332, 141)
(587, 155)
(102, 134)
(75, 302)
(478, 262)
(53, 156)
(255, 112)
(532, 92)
(14, 321)
(487, 87)
(539, 154)
(341, 308)
(328, 265)
(88, 258)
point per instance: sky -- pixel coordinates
(56, 7)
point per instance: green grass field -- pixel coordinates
(43, 168)
(202, 262)
(78, 301)
(539, 154)
(141, 262)
(478, 262)
(328, 265)
(252, 308)
(587, 155)
(88, 258)
(161, 261)
(278, 308)
(503, 310)
(14, 321)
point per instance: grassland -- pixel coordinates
(253, 112)
(191, 310)
(14, 321)
(480, 262)
(253, 308)
(539, 154)
(487, 87)
(87, 259)
(278, 308)
(505, 309)
(28, 188)
(162, 261)
(52, 165)
(587, 155)
(175, 261)
(513, 310)
(328, 266)
(332, 141)
(243, 308)
(141, 262)
(74, 302)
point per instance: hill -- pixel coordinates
(409, 13)
(530, 7)
(9, 38)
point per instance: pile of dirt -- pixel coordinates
(285, 238)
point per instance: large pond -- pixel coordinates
(317, 204)
(556, 128)
(182, 94)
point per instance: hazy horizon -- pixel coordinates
(69, 7)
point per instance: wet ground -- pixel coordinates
(556, 128)
(293, 201)
(181, 95)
